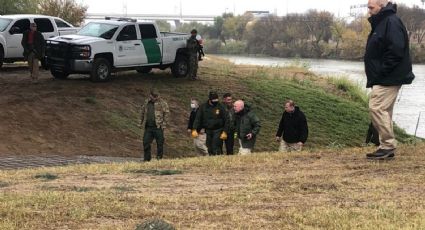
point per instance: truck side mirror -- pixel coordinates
(14, 30)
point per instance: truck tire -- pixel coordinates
(180, 68)
(59, 75)
(1, 56)
(101, 70)
(144, 69)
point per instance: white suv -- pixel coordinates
(13, 26)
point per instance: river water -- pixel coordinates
(409, 110)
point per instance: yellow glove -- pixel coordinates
(194, 133)
(223, 135)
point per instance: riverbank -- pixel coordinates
(77, 117)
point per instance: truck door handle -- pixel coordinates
(137, 44)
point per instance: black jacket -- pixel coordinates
(192, 118)
(210, 117)
(387, 58)
(293, 126)
(38, 47)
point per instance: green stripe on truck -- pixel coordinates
(152, 50)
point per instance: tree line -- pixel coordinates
(68, 10)
(314, 34)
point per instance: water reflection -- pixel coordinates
(409, 105)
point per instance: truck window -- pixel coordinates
(61, 24)
(127, 33)
(44, 25)
(147, 31)
(23, 25)
(4, 23)
(100, 30)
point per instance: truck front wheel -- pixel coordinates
(180, 67)
(101, 70)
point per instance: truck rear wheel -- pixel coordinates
(101, 70)
(59, 75)
(180, 68)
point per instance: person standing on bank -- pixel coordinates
(388, 66)
(193, 46)
(154, 119)
(293, 129)
(34, 49)
(230, 113)
(247, 127)
(200, 141)
(212, 117)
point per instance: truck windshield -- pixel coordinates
(4, 22)
(100, 30)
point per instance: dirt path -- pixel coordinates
(32, 161)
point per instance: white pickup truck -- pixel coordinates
(102, 47)
(13, 26)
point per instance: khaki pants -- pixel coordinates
(289, 147)
(33, 66)
(200, 144)
(381, 105)
(243, 151)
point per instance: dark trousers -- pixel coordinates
(229, 143)
(214, 143)
(150, 134)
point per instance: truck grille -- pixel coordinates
(57, 49)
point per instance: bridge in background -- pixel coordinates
(177, 18)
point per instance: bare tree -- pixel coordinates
(69, 10)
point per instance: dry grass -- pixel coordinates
(309, 190)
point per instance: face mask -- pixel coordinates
(214, 102)
(193, 105)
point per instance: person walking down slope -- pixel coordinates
(154, 120)
(34, 49)
(230, 113)
(212, 117)
(247, 127)
(293, 129)
(200, 141)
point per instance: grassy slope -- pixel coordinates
(79, 117)
(307, 190)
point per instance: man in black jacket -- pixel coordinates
(212, 117)
(388, 66)
(34, 48)
(293, 126)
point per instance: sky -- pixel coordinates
(340, 8)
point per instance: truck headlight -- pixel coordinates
(81, 51)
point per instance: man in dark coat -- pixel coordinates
(230, 113)
(34, 48)
(293, 129)
(211, 116)
(247, 126)
(388, 66)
